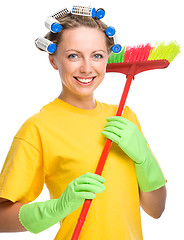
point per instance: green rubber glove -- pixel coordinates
(37, 217)
(132, 142)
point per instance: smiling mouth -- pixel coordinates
(84, 80)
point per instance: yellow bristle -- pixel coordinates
(164, 51)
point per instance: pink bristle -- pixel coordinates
(137, 53)
(126, 54)
(147, 49)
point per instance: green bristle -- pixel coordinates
(117, 57)
(111, 58)
(164, 51)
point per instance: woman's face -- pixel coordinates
(81, 60)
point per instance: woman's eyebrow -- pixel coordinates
(99, 50)
(75, 50)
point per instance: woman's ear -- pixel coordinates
(52, 62)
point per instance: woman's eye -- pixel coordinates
(73, 56)
(98, 56)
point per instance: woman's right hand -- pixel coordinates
(81, 188)
(37, 217)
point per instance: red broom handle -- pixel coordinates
(102, 161)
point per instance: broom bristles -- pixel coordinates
(137, 54)
(117, 57)
(146, 53)
(164, 50)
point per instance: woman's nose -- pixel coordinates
(86, 66)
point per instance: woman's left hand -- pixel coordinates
(128, 137)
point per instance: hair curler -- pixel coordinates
(46, 45)
(110, 32)
(88, 11)
(61, 13)
(116, 48)
(52, 24)
(100, 13)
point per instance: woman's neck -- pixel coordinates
(83, 102)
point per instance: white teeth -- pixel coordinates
(83, 80)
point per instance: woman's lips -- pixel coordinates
(84, 81)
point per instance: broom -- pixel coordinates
(130, 61)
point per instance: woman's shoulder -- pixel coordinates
(128, 113)
(29, 127)
(33, 123)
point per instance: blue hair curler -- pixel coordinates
(83, 11)
(53, 25)
(110, 31)
(93, 12)
(46, 45)
(116, 48)
(88, 11)
(51, 48)
(100, 13)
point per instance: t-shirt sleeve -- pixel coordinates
(135, 120)
(130, 115)
(22, 176)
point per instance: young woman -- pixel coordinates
(60, 146)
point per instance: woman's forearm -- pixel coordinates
(9, 220)
(153, 203)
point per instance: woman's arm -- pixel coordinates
(37, 217)
(153, 203)
(9, 220)
(129, 138)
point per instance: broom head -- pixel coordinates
(133, 60)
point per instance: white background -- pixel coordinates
(28, 82)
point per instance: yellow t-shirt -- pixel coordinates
(59, 144)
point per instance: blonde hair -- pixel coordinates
(71, 21)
